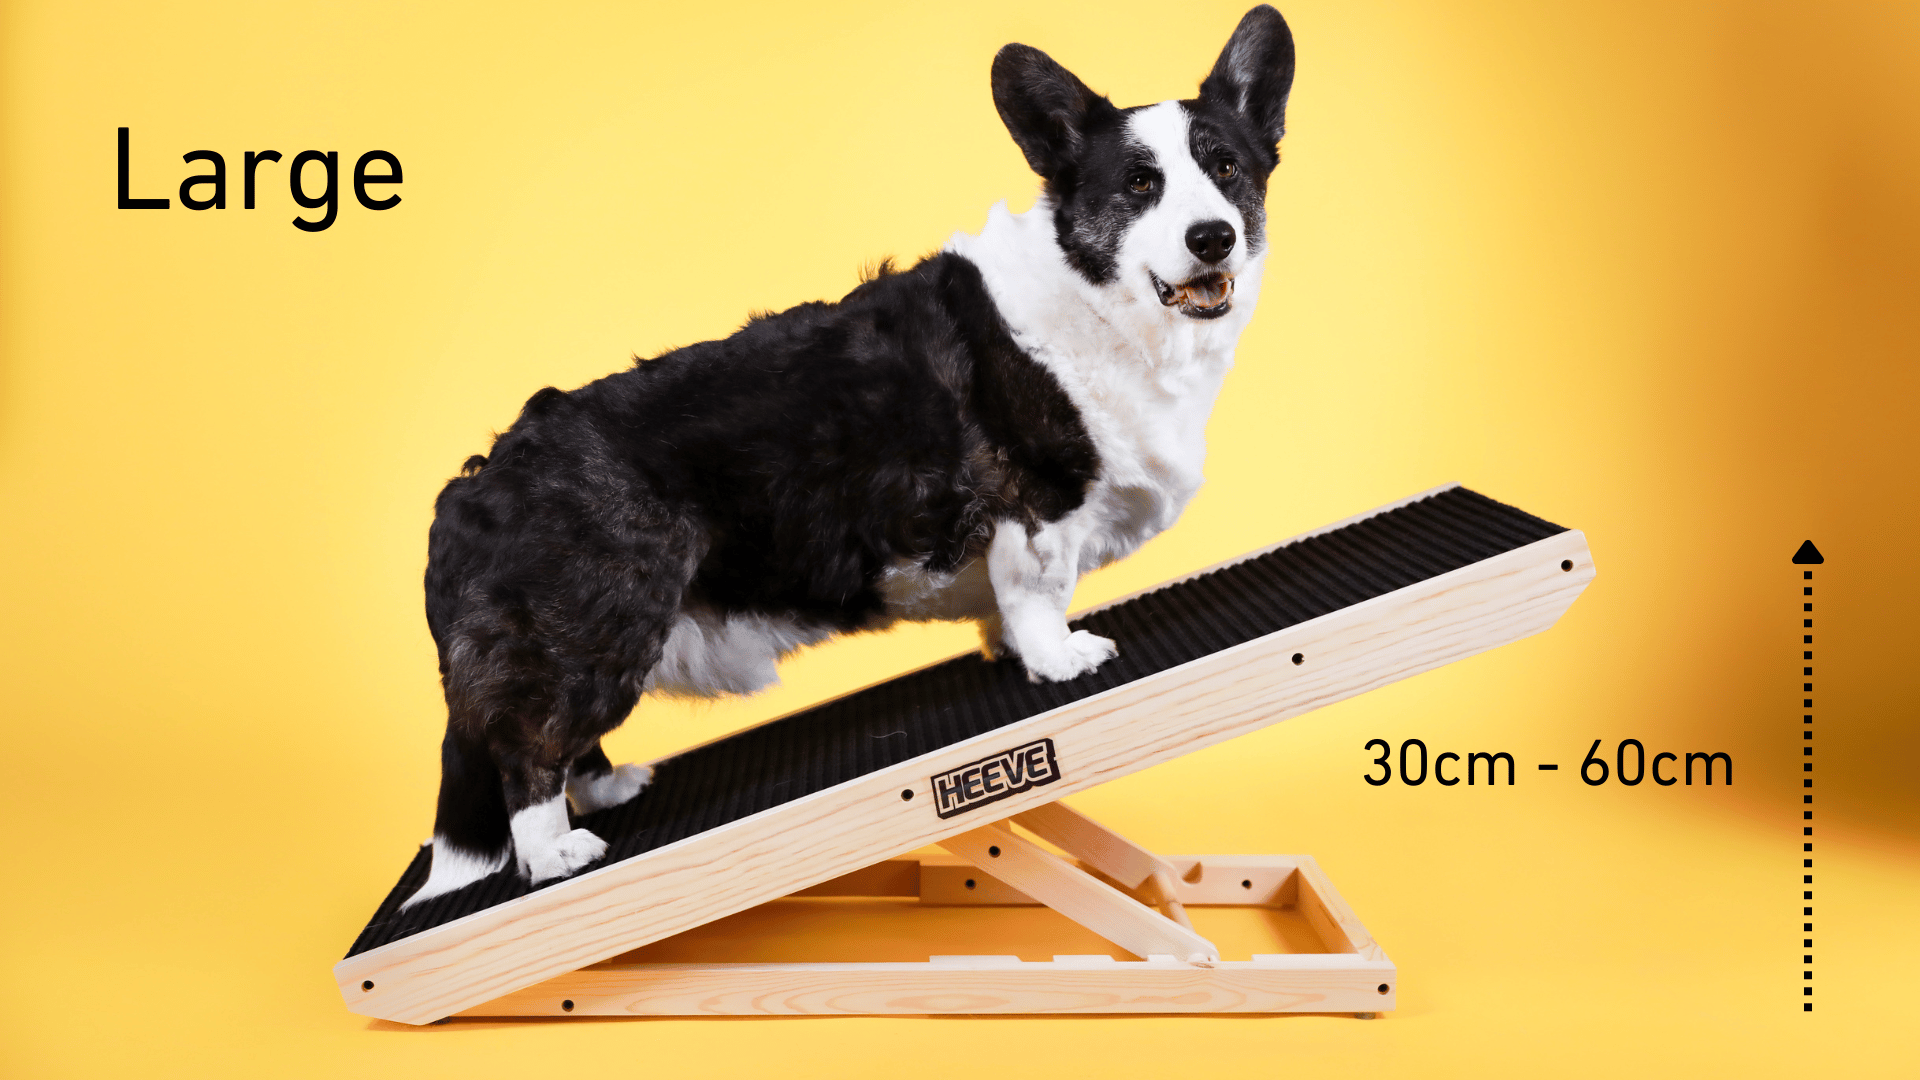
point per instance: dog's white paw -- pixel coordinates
(629, 780)
(568, 854)
(608, 789)
(454, 869)
(1080, 653)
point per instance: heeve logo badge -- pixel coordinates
(1010, 772)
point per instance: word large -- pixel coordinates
(215, 182)
(974, 785)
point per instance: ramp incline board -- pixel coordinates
(839, 786)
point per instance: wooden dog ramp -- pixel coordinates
(969, 755)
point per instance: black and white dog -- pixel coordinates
(959, 440)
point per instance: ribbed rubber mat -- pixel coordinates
(918, 713)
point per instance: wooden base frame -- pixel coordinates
(1131, 897)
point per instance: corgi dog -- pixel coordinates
(961, 439)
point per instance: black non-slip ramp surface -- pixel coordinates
(921, 712)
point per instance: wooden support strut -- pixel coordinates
(1078, 895)
(1133, 866)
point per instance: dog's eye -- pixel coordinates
(1225, 170)
(1141, 182)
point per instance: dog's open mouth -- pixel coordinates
(1208, 296)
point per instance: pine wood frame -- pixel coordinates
(464, 964)
(1111, 886)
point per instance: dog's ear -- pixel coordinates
(1045, 108)
(1255, 72)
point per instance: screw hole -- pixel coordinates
(1383, 988)
(969, 883)
(368, 985)
(1246, 884)
(993, 852)
(1566, 564)
(567, 1005)
(906, 795)
(1299, 658)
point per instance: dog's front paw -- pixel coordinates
(629, 780)
(568, 854)
(1080, 653)
(608, 789)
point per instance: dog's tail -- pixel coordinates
(470, 832)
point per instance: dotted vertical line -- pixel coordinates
(1805, 556)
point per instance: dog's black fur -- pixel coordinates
(777, 471)
(782, 470)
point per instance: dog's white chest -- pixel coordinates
(1143, 379)
(1151, 437)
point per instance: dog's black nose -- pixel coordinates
(1210, 240)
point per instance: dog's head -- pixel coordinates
(1167, 201)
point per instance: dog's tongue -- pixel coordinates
(1205, 293)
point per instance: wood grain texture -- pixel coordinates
(1340, 980)
(966, 985)
(958, 883)
(1092, 843)
(750, 861)
(1163, 895)
(1335, 922)
(1079, 896)
(1198, 881)
(1130, 865)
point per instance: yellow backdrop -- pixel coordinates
(1646, 269)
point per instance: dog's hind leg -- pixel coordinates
(537, 807)
(520, 713)
(470, 823)
(587, 678)
(595, 783)
(548, 625)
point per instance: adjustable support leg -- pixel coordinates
(1126, 862)
(1079, 895)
